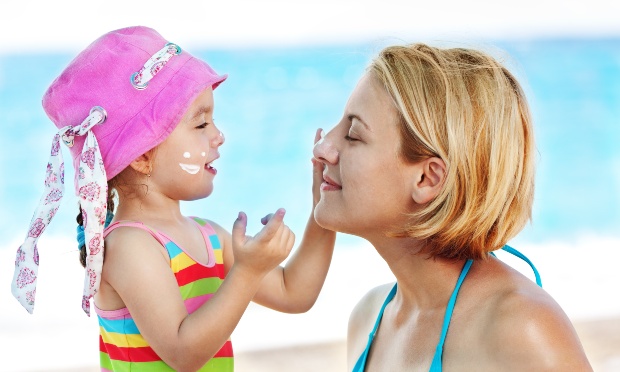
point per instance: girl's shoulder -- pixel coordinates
(212, 227)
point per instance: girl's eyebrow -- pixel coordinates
(201, 111)
(356, 117)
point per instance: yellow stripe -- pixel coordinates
(219, 258)
(180, 262)
(121, 339)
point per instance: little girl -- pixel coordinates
(137, 115)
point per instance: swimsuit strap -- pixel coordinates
(436, 364)
(361, 362)
(140, 226)
(513, 251)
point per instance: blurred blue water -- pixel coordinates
(274, 100)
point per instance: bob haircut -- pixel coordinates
(464, 107)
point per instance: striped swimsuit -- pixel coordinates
(121, 345)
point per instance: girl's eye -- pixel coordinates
(203, 125)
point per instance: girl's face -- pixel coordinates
(182, 165)
(367, 185)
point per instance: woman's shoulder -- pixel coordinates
(370, 303)
(523, 326)
(366, 311)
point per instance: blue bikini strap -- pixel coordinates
(513, 251)
(436, 365)
(361, 362)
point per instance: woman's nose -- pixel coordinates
(324, 150)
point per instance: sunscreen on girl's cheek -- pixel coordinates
(190, 168)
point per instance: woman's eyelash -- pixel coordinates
(349, 138)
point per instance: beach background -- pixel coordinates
(292, 66)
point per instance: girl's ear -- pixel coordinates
(428, 179)
(143, 164)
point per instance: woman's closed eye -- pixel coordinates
(352, 136)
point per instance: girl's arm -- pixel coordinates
(295, 287)
(139, 272)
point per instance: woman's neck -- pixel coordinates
(423, 282)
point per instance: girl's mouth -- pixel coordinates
(209, 167)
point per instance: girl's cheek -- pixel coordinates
(188, 166)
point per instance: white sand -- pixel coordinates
(582, 277)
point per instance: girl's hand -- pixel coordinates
(267, 249)
(317, 172)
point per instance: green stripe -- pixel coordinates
(219, 365)
(104, 359)
(216, 364)
(200, 287)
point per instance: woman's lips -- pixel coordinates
(329, 184)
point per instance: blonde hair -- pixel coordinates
(464, 107)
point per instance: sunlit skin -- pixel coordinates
(136, 273)
(502, 321)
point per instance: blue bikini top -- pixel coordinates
(436, 365)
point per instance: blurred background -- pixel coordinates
(291, 67)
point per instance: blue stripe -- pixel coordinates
(126, 326)
(215, 242)
(173, 250)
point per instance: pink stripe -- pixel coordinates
(192, 304)
(105, 370)
(112, 314)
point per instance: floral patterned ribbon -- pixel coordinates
(92, 193)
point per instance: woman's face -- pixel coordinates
(367, 185)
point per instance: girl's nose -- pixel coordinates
(218, 140)
(324, 150)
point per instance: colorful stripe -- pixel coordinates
(122, 347)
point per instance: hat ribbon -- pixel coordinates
(92, 194)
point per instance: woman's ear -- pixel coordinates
(143, 164)
(428, 179)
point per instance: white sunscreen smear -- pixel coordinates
(186, 155)
(203, 154)
(190, 168)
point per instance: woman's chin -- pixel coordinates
(328, 219)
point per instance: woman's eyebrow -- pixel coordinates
(356, 117)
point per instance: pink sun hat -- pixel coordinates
(120, 97)
(138, 118)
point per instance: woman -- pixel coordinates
(433, 163)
